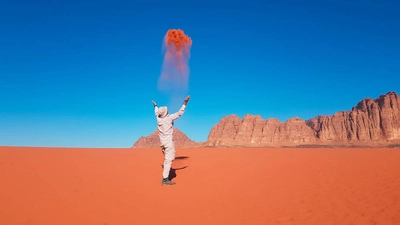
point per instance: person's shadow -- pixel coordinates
(172, 171)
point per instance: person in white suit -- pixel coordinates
(165, 124)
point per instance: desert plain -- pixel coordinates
(65, 186)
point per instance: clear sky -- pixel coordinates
(84, 73)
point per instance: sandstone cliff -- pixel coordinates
(253, 131)
(370, 123)
(153, 141)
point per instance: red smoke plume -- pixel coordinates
(175, 70)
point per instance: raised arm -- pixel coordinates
(181, 110)
(155, 107)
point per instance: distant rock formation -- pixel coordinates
(370, 123)
(253, 131)
(370, 120)
(153, 141)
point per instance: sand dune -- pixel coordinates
(48, 186)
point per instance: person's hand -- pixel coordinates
(154, 103)
(186, 100)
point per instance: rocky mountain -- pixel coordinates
(370, 123)
(153, 141)
(370, 120)
(253, 131)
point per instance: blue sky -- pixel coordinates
(84, 73)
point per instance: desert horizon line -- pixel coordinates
(210, 130)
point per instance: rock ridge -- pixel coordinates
(369, 123)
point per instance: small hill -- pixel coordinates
(153, 141)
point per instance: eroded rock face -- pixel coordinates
(371, 122)
(223, 132)
(153, 141)
(253, 131)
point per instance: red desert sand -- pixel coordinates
(48, 186)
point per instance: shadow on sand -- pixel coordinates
(172, 171)
(181, 157)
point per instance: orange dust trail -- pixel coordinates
(174, 76)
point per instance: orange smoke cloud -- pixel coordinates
(179, 40)
(175, 70)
